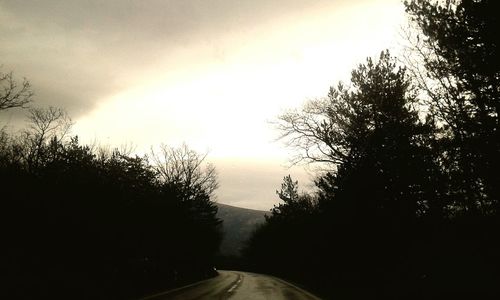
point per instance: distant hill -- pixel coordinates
(238, 225)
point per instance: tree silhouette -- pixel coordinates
(105, 223)
(47, 128)
(457, 45)
(370, 133)
(184, 167)
(12, 94)
(294, 205)
(408, 205)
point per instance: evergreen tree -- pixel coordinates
(458, 47)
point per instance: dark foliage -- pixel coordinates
(462, 61)
(97, 226)
(409, 206)
(238, 224)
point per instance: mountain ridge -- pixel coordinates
(237, 226)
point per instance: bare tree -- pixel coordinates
(438, 90)
(310, 131)
(186, 169)
(46, 125)
(49, 123)
(13, 94)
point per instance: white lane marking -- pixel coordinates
(236, 284)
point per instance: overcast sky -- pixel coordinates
(210, 73)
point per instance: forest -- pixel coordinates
(101, 221)
(406, 202)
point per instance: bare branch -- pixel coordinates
(186, 169)
(12, 94)
(45, 125)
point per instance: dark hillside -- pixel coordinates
(238, 225)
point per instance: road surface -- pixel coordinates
(237, 285)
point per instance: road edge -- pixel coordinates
(178, 289)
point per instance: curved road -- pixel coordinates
(237, 285)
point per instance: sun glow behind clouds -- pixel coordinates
(219, 94)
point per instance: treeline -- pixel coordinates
(407, 205)
(85, 222)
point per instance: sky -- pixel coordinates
(213, 74)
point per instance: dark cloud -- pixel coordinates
(153, 18)
(76, 52)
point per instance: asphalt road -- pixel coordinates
(237, 285)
